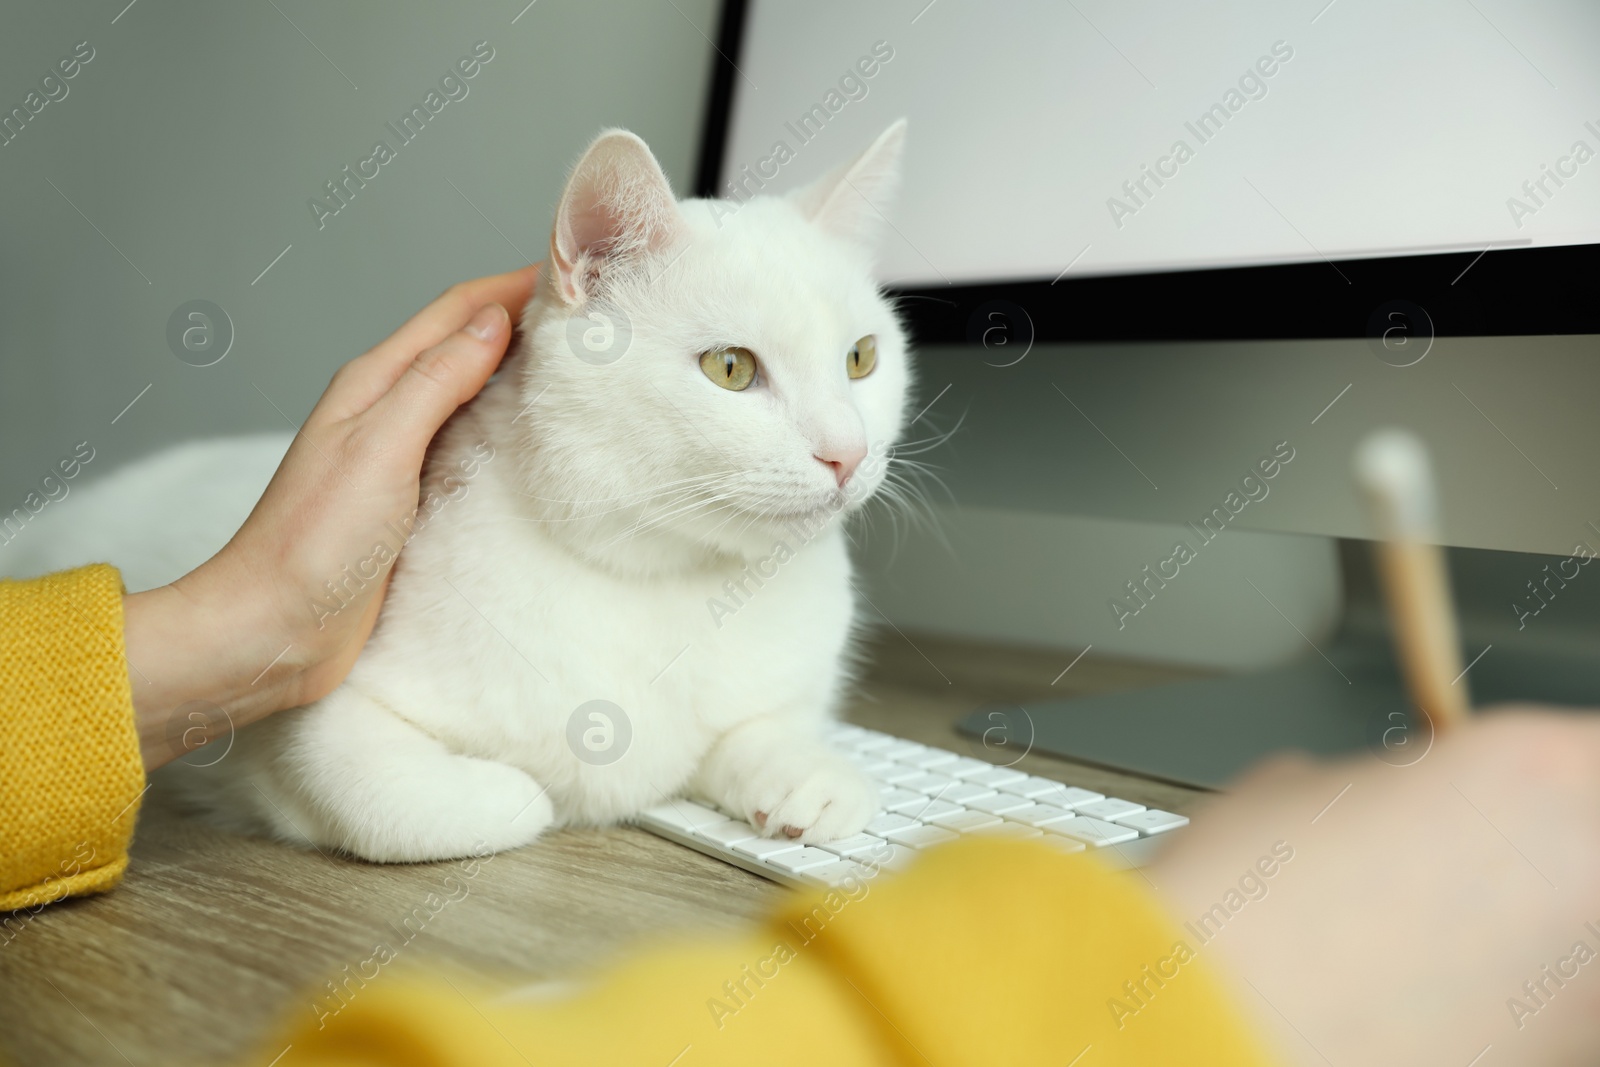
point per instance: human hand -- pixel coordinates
(1416, 904)
(239, 632)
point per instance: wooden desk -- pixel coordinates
(214, 939)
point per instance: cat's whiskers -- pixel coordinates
(709, 497)
(677, 488)
(903, 493)
(912, 482)
(662, 524)
(652, 513)
(636, 495)
(750, 515)
(929, 443)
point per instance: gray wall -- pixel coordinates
(183, 156)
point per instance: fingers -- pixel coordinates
(450, 313)
(367, 378)
(440, 380)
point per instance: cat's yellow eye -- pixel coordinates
(732, 367)
(862, 357)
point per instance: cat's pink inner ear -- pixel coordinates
(851, 201)
(617, 209)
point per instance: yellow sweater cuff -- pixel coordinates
(72, 773)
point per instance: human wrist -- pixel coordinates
(196, 652)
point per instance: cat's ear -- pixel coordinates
(616, 209)
(849, 201)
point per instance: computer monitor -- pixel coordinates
(1367, 150)
(1141, 254)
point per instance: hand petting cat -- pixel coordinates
(235, 635)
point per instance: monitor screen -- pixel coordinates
(1094, 138)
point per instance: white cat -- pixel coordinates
(642, 510)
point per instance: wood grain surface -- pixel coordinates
(214, 940)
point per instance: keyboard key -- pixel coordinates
(1109, 809)
(878, 768)
(1000, 803)
(931, 784)
(764, 848)
(1064, 844)
(883, 852)
(910, 753)
(1093, 832)
(1013, 831)
(964, 821)
(875, 741)
(896, 795)
(1032, 787)
(884, 823)
(932, 759)
(929, 808)
(840, 872)
(685, 815)
(1152, 821)
(919, 836)
(965, 793)
(898, 774)
(727, 833)
(964, 766)
(1069, 796)
(852, 846)
(909, 804)
(892, 858)
(1038, 815)
(801, 859)
(994, 776)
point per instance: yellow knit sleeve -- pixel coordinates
(70, 772)
(1013, 952)
(985, 952)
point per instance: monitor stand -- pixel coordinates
(1204, 733)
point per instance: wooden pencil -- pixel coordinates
(1393, 470)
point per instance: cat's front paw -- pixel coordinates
(812, 797)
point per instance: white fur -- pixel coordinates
(581, 562)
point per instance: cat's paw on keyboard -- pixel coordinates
(811, 799)
(926, 796)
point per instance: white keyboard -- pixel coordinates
(930, 796)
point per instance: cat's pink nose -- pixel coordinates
(843, 461)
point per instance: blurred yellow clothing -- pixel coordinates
(70, 773)
(985, 952)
